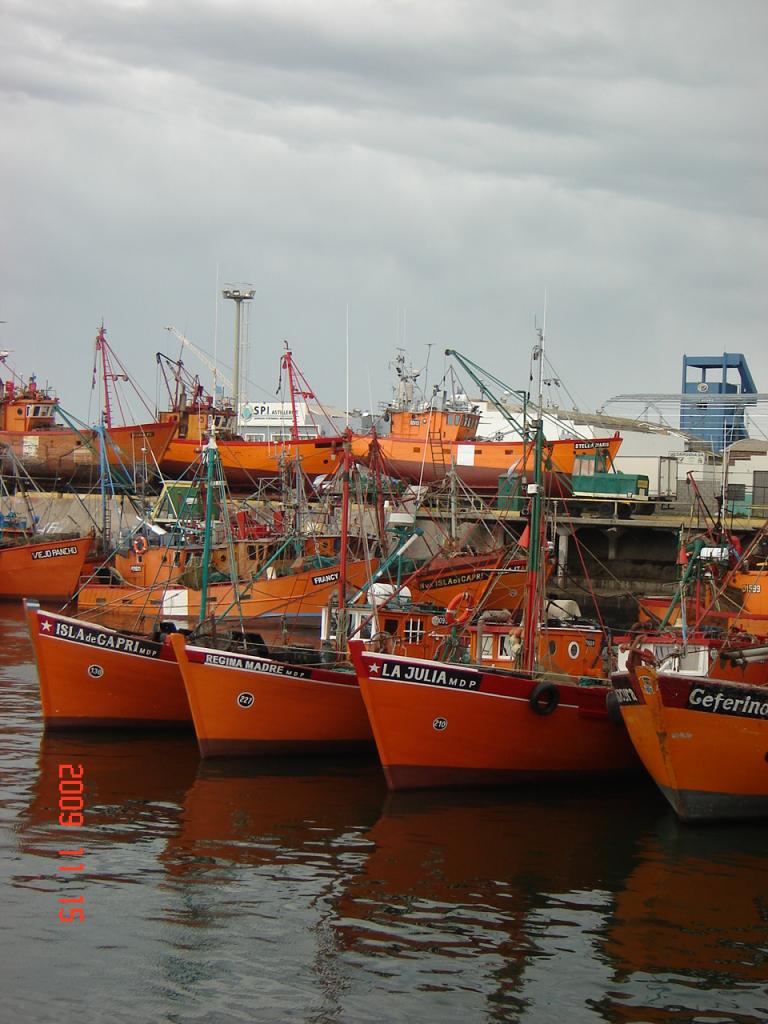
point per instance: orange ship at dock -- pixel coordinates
(245, 704)
(53, 454)
(94, 677)
(48, 569)
(439, 724)
(245, 463)
(423, 446)
(703, 740)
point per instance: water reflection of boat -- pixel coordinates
(269, 812)
(694, 906)
(495, 850)
(133, 788)
(472, 887)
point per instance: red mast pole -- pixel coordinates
(101, 347)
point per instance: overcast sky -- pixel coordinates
(433, 167)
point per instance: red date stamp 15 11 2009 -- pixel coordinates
(71, 788)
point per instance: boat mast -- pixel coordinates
(286, 363)
(341, 628)
(107, 373)
(211, 454)
(533, 583)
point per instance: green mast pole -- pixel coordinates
(211, 454)
(533, 595)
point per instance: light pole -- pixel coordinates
(239, 294)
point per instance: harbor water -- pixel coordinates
(302, 891)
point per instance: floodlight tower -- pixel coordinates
(239, 293)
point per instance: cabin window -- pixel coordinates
(584, 465)
(486, 647)
(505, 647)
(414, 631)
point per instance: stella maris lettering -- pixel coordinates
(275, 668)
(107, 641)
(407, 672)
(727, 702)
(70, 549)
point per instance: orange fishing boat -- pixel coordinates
(245, 463)
(423, 446)
(703, 740)
(437, 723)
(441, 724)
(54, 454)
(492, 578)
(246, 704)
(163, 594)
(94, 677)
(48, 569)
(246, 700)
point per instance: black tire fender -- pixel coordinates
(544, 698)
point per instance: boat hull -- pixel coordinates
(62, 455)
(92, 677)
(48, 571)
(438, 725)
(299, 593)
(703, 741)
(242, 704)
(478, 464)
(491, 578)
(246, 462)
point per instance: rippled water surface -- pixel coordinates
(284, 890)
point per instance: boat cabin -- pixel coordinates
(442, 424)
(26, 407)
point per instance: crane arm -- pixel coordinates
(475, 372)
(204, 358)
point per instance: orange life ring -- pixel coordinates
(140, 545)
(454, 616)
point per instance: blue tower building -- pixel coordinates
(717, 423)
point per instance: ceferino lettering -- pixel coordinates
(722, 702)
